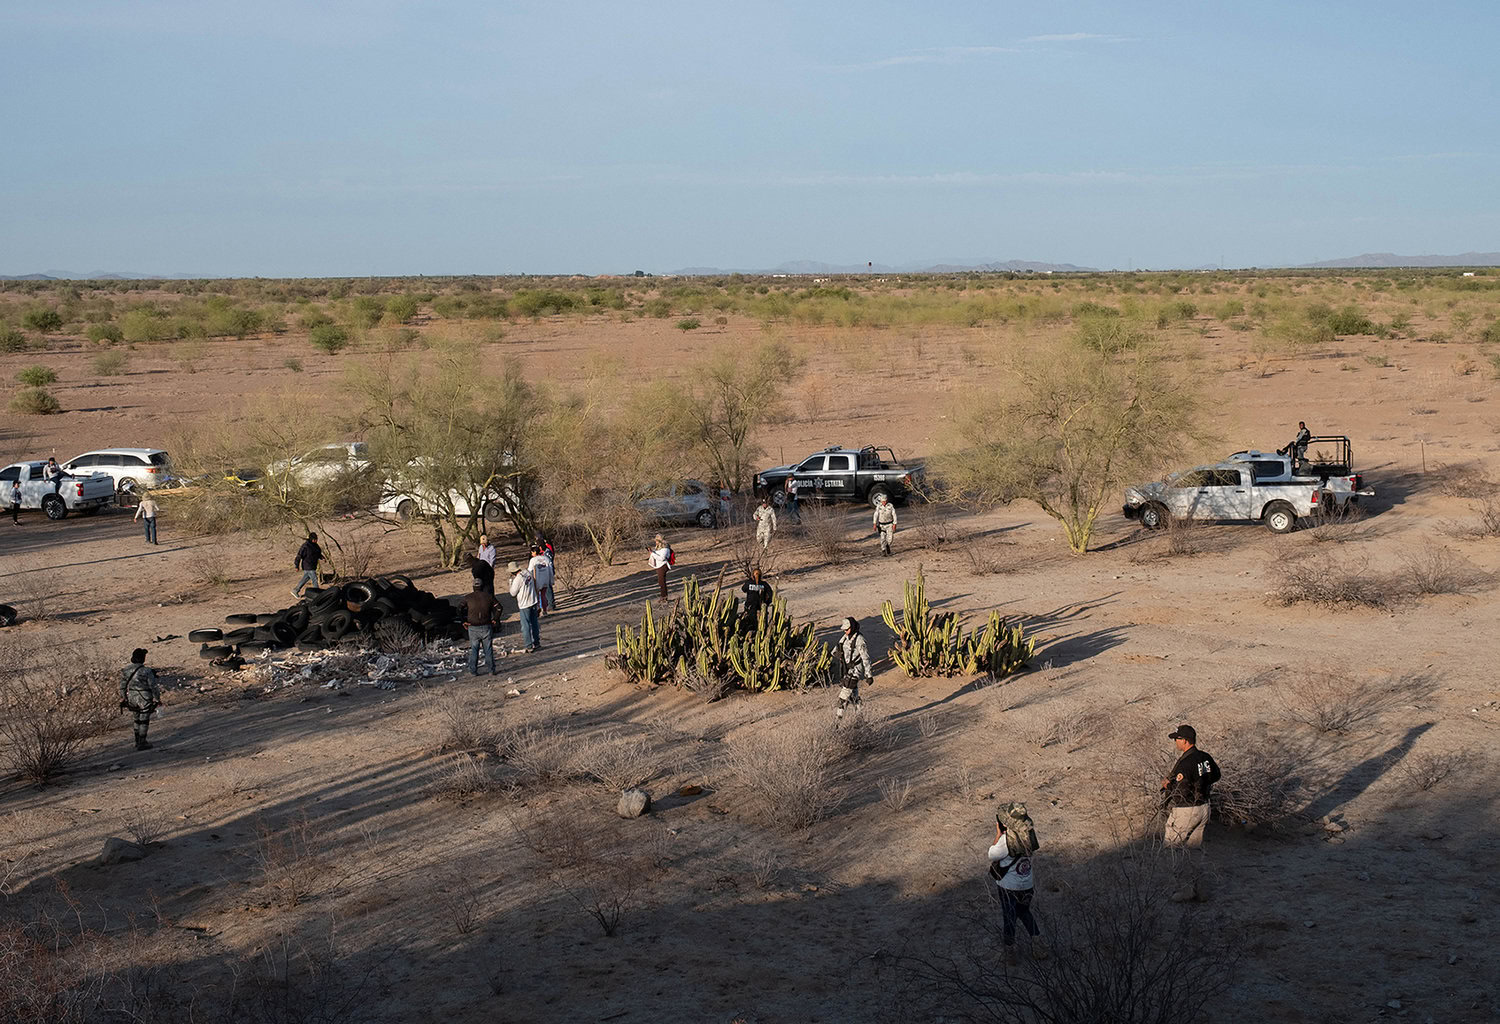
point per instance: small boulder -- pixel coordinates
(690, 790)
(118, 851)
(633, 803)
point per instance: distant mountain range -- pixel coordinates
(102, 275)
(1390, 259)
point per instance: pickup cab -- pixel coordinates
(83, 494)
(1327, 465)
(1226, 492)
(843, 474)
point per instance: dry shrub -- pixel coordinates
(539, 752)
(858, 732)
(573, 569)
(617, 762)
(894, 792)
(1331, 581)
(1487, 524)
(707, 687)
(462, 899)
(983, 556)
(220, 509)
(826, 530)
(1184, 535)
(1329, 702)
(1421, 772)
(1074, 729)
(291, 861)
(207, 565)
(932, 527)
(1264, 783)
(1462, 481)
(462, 778)
(397, 636)
(32, 589)
(353, 556)
(462, 725)
(55, 970)
(146, 825)
(1436, 570)
(52, 700)
(603, 871)
(927, 724)
(790, 771)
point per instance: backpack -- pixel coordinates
(1020, 829)
(671, 556)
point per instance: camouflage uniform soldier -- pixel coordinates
(765, 523)
(140, 694)
(885, 522)
(853, 657)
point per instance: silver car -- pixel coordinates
(680, 502)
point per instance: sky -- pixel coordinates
(283, 139)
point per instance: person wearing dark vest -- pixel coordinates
(139, 694)
(758, 595)
(479, 618)
(1186, 795)
(484, 574)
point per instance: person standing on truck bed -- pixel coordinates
(885, 522)
(53, 474)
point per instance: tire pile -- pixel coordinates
(328, 615)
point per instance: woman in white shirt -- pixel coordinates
(659, 559)
(540, 568)
(1011, 872)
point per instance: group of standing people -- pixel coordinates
(531, 584)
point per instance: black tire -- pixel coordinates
(266, 618)
(1279, 517)
(876, 493)
(1154, 515)
(327, 601)
(310, 645)
(126, 485)
(337, 625)
(778, 497)
(8, 615)
(357, 595)
(399, 582)
(205, 636)
(406, 509)
(252, 646)
(282, 633)
(239, 636)
(213, 652)
(241, 619)
(54, 506)
(706, 519)
(311, 633)
(494, 512)
(298, 618)
(383, 606)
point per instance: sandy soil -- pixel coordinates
(1331, 926)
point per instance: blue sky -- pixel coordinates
(383, 137)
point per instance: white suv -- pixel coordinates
(132, 469)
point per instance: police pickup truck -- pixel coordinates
(843, 474)
(85, 494)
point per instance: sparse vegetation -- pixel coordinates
(109, 364)
(37, 376)
(35, 402)
(790, 771)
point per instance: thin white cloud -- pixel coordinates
(1076, 37)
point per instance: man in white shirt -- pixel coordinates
(523, 589)
(540, 568)
(147, 510)
(486, 550)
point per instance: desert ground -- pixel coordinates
(312, 853)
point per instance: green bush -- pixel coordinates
(401, 308)
(314, 318)
(691, 323)
(1348, 320)
(1491, 334)
(659, 308)
(12, 340)
(329, 337)
(488, 307)
(294, 364)
(109, 364)
(37, 376)
(105, 334)
(1111, 334)
(449, 307)
(35, 402)
(145, 324)
(223, 323)
(1089, 308)
(42, 319)
(546, 302)
(365, 311)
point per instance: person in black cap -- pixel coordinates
(140, 694)
(1185, 794)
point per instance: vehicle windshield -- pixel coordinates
(158, 458)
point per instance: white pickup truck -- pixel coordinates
(84, 494)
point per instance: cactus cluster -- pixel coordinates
(926, 645)
(702, 633)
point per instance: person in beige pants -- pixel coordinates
(1186, 794)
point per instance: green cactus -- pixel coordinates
(924, 645)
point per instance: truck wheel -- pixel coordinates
(493, 511)
(706, 519)
(406, 509)
(1154, 516)
(7, 615)
(54, 507)
(1280, 518)
(778, 497)
(125, 485)
(876, 493)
